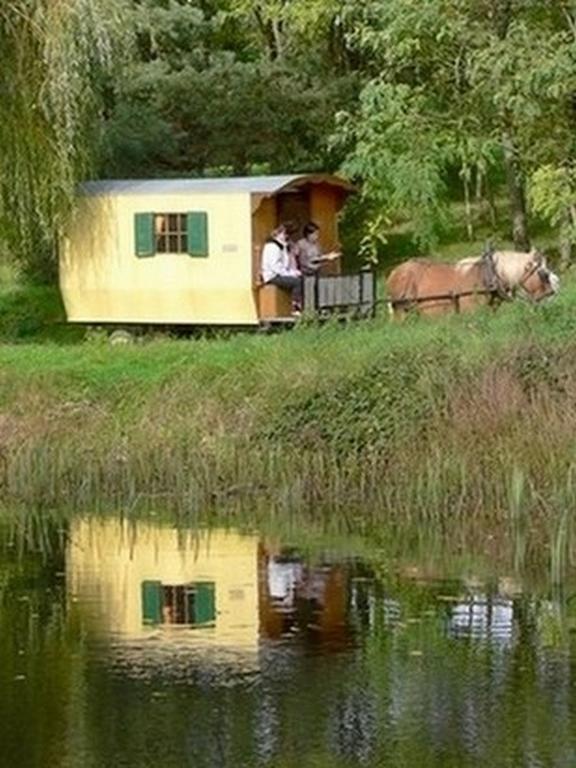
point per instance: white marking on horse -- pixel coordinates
(554, 281)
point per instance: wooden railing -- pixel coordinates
(341, 294)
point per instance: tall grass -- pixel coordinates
(468, 418)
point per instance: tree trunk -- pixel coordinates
(468, 206)
(565, 253)
(516, 195)
(493, 211)
(503, 13)
(566, 243)
(272, 32)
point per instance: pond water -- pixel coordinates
(144, 645)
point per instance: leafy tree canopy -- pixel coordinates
(226, 87)
(418, 100)
(53, 52)
(476, 84)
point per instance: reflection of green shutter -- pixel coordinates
(204, 603)
(144, 234)
(197, 226)
(152, 602)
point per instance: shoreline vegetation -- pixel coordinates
(463, 421)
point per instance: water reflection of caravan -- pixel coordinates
(154, 583)
(484, 617)
(309, 601)
(152, 586)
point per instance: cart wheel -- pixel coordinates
(121, 337)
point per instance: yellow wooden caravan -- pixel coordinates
(184, 251)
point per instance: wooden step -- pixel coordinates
(274, 302)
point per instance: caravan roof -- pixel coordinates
(267, 185)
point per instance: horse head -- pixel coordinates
(538, 280)
(526, 274)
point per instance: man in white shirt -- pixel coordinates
(277, 265)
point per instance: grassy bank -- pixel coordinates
(469, 417)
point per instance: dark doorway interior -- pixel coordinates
(294, 207)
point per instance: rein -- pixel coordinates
(538, 264)
(495, 287)
(453, 296)
(504, 291)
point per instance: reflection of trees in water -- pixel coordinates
(481, 679)
(440, 682)
(266, 726)
(41, 653)
(354, 725)
(210, 731)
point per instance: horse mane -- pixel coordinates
(511, 265)
(469, 261)
(502, 270)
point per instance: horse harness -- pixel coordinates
(495, 287)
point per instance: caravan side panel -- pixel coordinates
(104, 280)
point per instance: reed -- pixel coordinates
(468, 419)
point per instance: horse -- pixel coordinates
(437, 287)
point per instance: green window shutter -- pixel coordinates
(197, 225)
(144, 244)
(152, 602)
(204, 602)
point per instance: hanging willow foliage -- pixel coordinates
(53, 55)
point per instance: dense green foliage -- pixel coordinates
(223, 87)
(421, 102)
(482, 88)
(53, 53)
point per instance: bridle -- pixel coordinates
(543, 274)
(502, 290)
